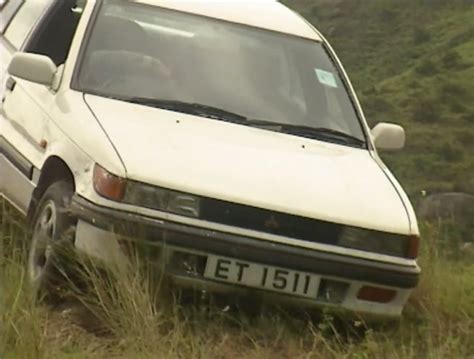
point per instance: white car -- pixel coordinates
(225, 134)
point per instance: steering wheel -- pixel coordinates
(112, 82)
(106, 69)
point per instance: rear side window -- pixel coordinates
(8, 9)
(26, 17)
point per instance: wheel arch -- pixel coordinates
(54, 169)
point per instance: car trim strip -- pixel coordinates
(16, 158)
(14, 186)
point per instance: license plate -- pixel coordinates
(262, 276)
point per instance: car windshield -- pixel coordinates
(153, 55)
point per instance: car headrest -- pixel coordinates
(117, 33)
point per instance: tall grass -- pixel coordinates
(121, 315)
(20, 318)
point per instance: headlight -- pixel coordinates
(379, 242)
(161, 199)
(139, 194)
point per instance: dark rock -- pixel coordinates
(454, 207)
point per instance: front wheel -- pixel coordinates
(53, 229)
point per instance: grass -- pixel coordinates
(123, 317)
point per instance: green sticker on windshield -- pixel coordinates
(326, 78)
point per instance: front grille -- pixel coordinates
(268, 221)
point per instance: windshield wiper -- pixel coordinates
(324, 134)
(317, 133)
(190, 108)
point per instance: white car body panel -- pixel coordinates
(207, 157)
(414, 229)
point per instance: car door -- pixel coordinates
(44, 27)
(18, 17)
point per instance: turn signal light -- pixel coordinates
(376, 294)
(108, 185)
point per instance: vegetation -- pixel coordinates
(412, 63)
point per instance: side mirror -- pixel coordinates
(388, 136)
(33, 67)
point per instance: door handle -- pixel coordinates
(10, 85)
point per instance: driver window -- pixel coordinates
(28, 14)
(53, 35)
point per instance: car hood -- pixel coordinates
(252, 166)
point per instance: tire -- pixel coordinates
(52, 237)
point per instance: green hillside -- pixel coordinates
(412, 63)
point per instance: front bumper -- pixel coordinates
(355, 272)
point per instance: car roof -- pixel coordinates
(265, 14)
